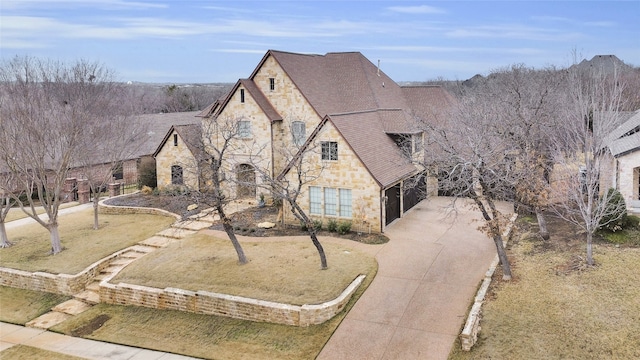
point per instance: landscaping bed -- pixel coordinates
(244, 222)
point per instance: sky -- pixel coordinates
(198, 41)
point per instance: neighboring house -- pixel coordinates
(155, 127)
(622, 160)
(363, 124)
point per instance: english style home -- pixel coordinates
(363, 125)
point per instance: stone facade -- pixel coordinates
(623, 173)
(176, 153)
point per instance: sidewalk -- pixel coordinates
(28, 220)
(11, 335)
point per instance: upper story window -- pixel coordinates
(329, 150)
(272, 84)
(298, 131)
(242, 95)
(175, 139)
(244, 129)
(417, 143)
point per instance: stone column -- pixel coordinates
(83, 191)
(114, 189)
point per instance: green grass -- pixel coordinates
(23, 352)
(557, 308)
(207, 336)
(284, 271)
(21, 306)
(82, 245)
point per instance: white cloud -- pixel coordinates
(513, 32)
(101, 4)
(421, 9)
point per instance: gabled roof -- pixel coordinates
(216, 108)
(365, 133)
(157, 126)
(191, 135)
(626, 137)
(338, 83)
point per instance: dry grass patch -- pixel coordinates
(17, 213)
(82, 245)
(21, 306)
(555, 309)
(23, 352)
(282, 271)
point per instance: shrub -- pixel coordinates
(146, 190)
(344, 227)
(317, 224)
(615, 212)
(332, 225)
(632, 222)
(303, 226)
(147, 172)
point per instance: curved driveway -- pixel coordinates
(428, 273)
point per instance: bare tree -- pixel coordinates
(529, 104)
(111, 137)
(475, 161)
(592, 108)
(8, 194)
(211, 143)
(299, 173)
(45, 106)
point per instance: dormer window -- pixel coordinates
(272, 84)
(175, 139)
(242, 95)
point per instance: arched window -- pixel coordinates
(176, 175)
(298, 132)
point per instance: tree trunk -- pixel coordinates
(316, 243)
(502, 255)
(96, 224)
(589, 248)
(4, 239)
(56, 244)
(542, 224)
(300, 215)
(228, 228)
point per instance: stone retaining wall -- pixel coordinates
(124, 210)
(469, 334)
(55, 283)
(210, 303)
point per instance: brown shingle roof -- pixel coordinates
(338, 83)
(365, 133)
(429, 103)
(157, 126)
(261, 100)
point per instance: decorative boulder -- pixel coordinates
(266, 225)
(192, 207)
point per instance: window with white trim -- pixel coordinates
(330, 202)
(315, 200)
(345, 203)
(244, 129)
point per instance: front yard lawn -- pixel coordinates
(20, 306)
(557, 308)
(282, 271)
(82, 245)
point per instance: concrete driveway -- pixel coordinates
(428, 274)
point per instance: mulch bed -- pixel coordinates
(244, 222)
